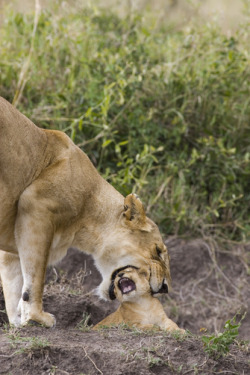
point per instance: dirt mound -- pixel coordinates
(209, 287)
(113, 352)
(75, 280)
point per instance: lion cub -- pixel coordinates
(138, 306)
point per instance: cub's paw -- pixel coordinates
(180, 331)
(172, 327)
(177, 331)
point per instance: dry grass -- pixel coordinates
(229, 13)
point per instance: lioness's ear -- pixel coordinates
(134, 213)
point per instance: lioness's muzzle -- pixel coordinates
(158, 279)
(163, 289)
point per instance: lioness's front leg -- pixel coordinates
(12, 281)
(33, 237)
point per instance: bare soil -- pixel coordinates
(209, 287)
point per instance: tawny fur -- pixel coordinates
(51, 198)
(138, 308)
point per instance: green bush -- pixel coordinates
(219, 345)
(162, 113)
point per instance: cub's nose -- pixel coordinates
(164, 288)
(121, 274)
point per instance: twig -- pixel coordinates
(64, 372)
(218, 295)
(228, 372)
(9, 356)
(22, 78)
(201, 365)
(219, 269)
(201, 280)
(100, 135)
(91, 360)
(162, 187)
(127, 104)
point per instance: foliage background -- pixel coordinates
(162, 109)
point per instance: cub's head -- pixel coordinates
(135, 241)
(130, 284)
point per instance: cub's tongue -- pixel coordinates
(126, 285)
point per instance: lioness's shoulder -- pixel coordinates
(59, 137)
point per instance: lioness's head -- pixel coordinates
(130, 284)
(135, 241)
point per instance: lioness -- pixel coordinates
(138, 307)
(51, 198)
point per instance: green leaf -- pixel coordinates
(106, 143)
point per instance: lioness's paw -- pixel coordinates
(44, 319)
(31, 313)
(15, 321)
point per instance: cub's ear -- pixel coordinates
(134, 213)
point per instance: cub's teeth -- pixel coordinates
(127, 289)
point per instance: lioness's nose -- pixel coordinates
(120, 274)
(164, 288)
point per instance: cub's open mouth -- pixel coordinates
(126, 285)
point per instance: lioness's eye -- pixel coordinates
(158, 250)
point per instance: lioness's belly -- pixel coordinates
(8, 210)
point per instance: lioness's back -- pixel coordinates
(22, 145)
